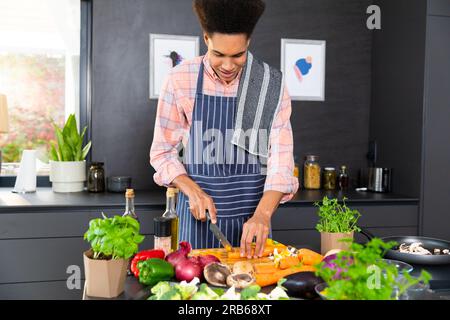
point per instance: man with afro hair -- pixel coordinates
(199, 108)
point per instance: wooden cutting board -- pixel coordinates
(222, 254)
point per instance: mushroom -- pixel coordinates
(414, 248)
(216, 274)
(240, 281)
(241, 267)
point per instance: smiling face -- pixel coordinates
(227, 53)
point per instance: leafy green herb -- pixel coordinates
(115, 238)
(362, 274)
(335, 217)
(70, 142)
(250, 292)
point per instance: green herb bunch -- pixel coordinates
(335, 217)
(114, 238)
(362, 274)
(70, 142)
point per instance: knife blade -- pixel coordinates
(219, 234)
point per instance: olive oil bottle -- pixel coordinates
(129, 207)
(131, 212)
(171, 213)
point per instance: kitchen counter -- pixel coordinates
(45, 224)
(440, 285)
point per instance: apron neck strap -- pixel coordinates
(200, 79)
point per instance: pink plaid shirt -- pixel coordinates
(174, 118)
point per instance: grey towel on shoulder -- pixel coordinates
(258, 98)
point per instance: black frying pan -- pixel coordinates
(427, 243)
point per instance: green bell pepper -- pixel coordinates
(153, 270)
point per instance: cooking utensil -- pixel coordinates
(379, 179)
(217, 233)
(428, 243)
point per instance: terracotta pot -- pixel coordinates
(329, 241)
(104, 278)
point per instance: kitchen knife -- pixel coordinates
(218, 234)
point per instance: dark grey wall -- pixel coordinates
(397, 96)
(123, 116)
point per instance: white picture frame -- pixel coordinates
(162, 58)
(303, 67)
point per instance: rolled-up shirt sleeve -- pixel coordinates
(280, 162)
(170, 128)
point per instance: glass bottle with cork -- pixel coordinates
(343, 180)
(129, 211)
(129, 207)
(171, 214)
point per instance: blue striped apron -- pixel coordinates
(230, 175)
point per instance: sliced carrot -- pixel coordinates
(289, 261)
(234, 254)
(309, 257)
(269, 267)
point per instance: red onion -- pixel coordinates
(188, 269)
(180, 255)
(329, 263)
(207, 259)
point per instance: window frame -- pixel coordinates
(85, 89)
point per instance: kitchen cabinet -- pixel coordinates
(41, 234)
(410, 104)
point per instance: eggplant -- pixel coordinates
(302, 284)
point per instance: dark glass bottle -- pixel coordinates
(96, 177)
(343, 179)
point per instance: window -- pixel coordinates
(39, 74)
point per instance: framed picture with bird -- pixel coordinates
(166, 52)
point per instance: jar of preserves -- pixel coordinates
(311, 172)
(329, 178)
(96, 177)
(296, 168)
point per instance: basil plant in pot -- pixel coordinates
(336, 222)
(67, 160)
(113, 242)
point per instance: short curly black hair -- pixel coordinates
(229, 16)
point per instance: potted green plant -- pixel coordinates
(362, 274)
(336, 222)
(113, 242)
(67, 159)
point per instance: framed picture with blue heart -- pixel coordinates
(303, 67)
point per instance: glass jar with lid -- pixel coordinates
(96, 177)
(311, 172)
(329, 178)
